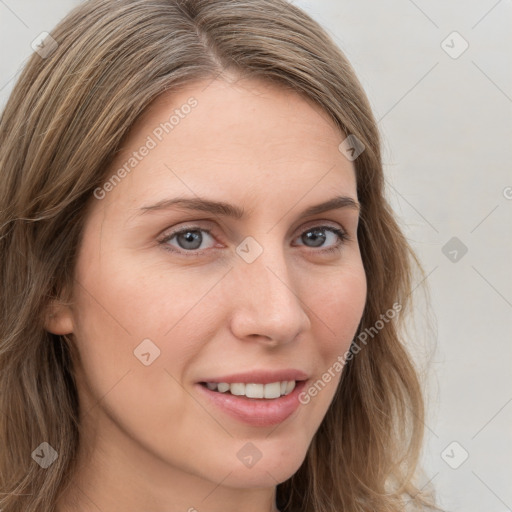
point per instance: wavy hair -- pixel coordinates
(66, 118)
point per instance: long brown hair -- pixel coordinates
(67, 116)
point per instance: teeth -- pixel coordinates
(290, 386)
(273, 390)
(254, 390)
(237, 389)
(223, 387)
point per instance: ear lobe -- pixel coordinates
(58, 318)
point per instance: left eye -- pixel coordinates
(318, 237)
(191, 239)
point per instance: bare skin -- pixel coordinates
(150, 439)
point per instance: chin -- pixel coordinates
(263, 475)
(273, 462)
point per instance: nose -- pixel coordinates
(267, 305)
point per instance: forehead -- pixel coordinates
(248, 138)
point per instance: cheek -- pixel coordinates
(128, 315)
(338, 306)
(120, 311)
(140, 302)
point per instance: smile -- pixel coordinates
(258, 398)
(271, 390)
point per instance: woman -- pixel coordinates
(202, 282)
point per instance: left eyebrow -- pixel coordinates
(230, 210)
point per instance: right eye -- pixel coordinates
(188, 239)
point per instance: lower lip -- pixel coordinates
(259, 412)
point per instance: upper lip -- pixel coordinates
(260, 376)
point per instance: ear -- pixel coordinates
(58, 318)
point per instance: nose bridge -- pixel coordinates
(269, 302)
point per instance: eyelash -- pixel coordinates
(342, 238)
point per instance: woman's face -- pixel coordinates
(172, 295)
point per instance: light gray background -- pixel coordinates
(446, 124)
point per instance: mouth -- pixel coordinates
(258, 399)
(269, 391)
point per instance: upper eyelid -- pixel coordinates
(196, 225)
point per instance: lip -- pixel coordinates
(260, 376)
(257, 412)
